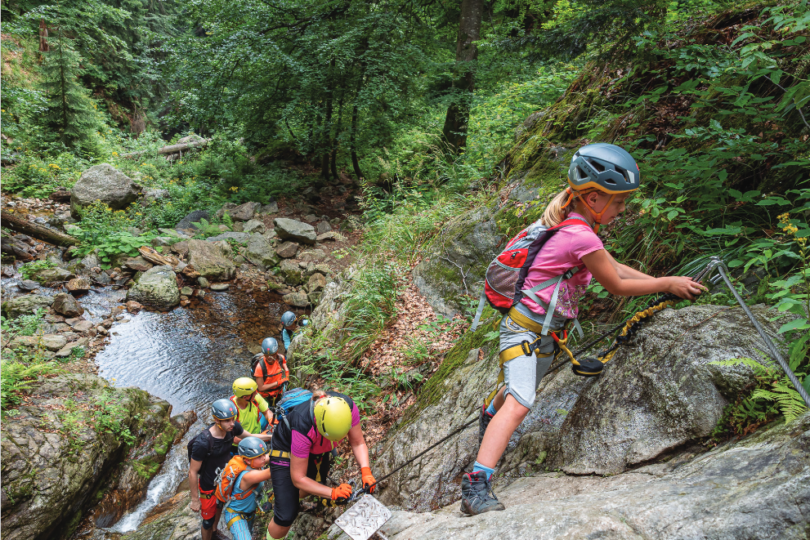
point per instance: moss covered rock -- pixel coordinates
(61, 451)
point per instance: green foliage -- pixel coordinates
(70, 112)
(109, 415)
(206, 229)
(104, 230)
(28, 270)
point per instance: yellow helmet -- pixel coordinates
(244, 386)
(333, 417)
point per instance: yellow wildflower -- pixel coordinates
(54, 166)
(234, 189)
(115, 154)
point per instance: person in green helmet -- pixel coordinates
(300, 455)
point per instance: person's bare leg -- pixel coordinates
(500, 429)
(277, 531)
(207, 533)
(497, 402)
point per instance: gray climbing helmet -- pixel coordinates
(603, 166)
(252, 447)
(223, 409)
(269, 346)
(288, 319)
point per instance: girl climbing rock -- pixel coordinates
(601, 178)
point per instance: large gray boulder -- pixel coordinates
(260, 252)
(49, 276)
(254, 226)
(210, 260)
(157, 288)
(65, 304)
(658, 393)
(297, 231)
(103, 183)
(26, 305)
(192, 218)
(756, 488)
(52, 476)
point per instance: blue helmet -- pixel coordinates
(288, 319)
(252, 447)
(269, 346)
(305, 322)
(223, 409)
(606, 167)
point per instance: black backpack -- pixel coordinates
(205, 434)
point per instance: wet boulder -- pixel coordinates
(51, 476)
(260, 252)
(26, 305)
(79, 285)
(209, 259)
(50, 276)
(65, 304)
(297, 231)
(103, 183)
(157, 288)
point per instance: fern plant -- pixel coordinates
(773, 385)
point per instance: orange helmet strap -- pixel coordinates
(597, 216)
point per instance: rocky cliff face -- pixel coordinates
(657, 395)
(75, 440)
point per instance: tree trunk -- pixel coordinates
(16, 223)
(353, 145)
(43, 36)
(171, 149)
(327, 126)
(469, 31)
(333, 139)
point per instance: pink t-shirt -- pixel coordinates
(564, 250)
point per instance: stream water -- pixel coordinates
(189, 357)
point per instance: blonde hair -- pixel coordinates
(555, 213)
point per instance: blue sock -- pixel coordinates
(478, 467)
(491, 409)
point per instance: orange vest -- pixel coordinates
(274, 373)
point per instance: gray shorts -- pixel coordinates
(522, 375)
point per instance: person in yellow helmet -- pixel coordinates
(254, 413)
(300, 454)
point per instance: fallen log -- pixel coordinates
(171, 149)
(16, 223)
(60, 195)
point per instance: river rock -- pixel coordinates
(291, 272)
(137, 264)
(49, 276)
(227, 208)
(65, 304)
(240, 237)
(25, 305)
(151, 195)
(53, 342)
(156, 288)
(192, 218)
(83, 326)
(133, 306)
(186, 291)
(209, 260)
(329, 236)
(298, 231)
(219, 287)
(297, 299)
(28, 285)
(202, 282)
(316, 282)
(103, 183)
(260, 252)
(163, 241)
(245, 212)
(287, 250)
(72, 461)
(79, 285)
(254, 226)
(85, 264)
(181, 248)
(323, 227)
(736, 491)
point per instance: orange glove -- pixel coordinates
(368, 479)
(343, 491)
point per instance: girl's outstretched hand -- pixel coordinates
(685, 287)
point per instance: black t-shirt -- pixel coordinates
(214, 454)
(301, 420)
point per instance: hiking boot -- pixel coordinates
(476, 494)
(483, 421)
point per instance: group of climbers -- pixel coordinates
(260, 434)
